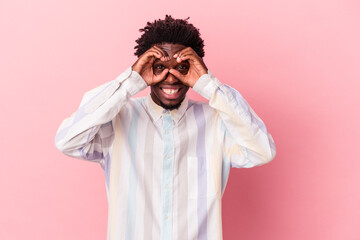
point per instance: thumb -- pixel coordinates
(161, 76)
(177, 74)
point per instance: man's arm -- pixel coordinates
(80, 135)
(246, 142)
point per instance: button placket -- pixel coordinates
(167, 176)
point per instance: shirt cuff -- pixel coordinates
(131, 81)
(206, 85)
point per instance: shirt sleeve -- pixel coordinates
(246, 142)
(87, 132)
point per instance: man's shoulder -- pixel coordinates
(198, 102)
(138, 99)
(134, 104)
(200, 105)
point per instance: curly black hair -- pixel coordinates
(169, 30)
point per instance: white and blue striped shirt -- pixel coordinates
(165, 170)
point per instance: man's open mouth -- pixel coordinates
(170, 91)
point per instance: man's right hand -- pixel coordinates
(144, 65)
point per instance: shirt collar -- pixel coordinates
(157, 111)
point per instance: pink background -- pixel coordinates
(296, 62)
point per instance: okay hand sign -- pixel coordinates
(196, 70)
(144, 65)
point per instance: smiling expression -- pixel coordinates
(170, 92)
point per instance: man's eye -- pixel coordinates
(182, 67)
(159, 67)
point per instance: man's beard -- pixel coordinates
(171, 107)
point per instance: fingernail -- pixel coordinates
(175, 56)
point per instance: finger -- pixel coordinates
(178, 54)
(159, 50)
(146, 58)
(149, 57)
(184, 51)
(196, 62)
(161, 76)
(154, 53)
(177, 74)
(181, 56)
(163, 53)
(187, 57)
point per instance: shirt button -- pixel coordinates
(166, 132)
(166, 217)
(167, 156)
(166, 186)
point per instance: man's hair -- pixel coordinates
(169, 30)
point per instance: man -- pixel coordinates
(166, 158)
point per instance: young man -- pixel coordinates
(166, 158)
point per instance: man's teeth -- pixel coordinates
(170, 91)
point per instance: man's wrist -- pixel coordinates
(131, 81)
(206, 85)
(137, 83)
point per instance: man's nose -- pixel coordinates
(169, 78)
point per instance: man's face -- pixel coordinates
(170, 92)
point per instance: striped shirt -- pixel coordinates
(165, 171)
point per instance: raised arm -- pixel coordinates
(82, 134)
(88, 131)
(246, 140)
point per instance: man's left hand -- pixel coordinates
(196, 70)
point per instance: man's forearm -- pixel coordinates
(245, 128)
(76, 135)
